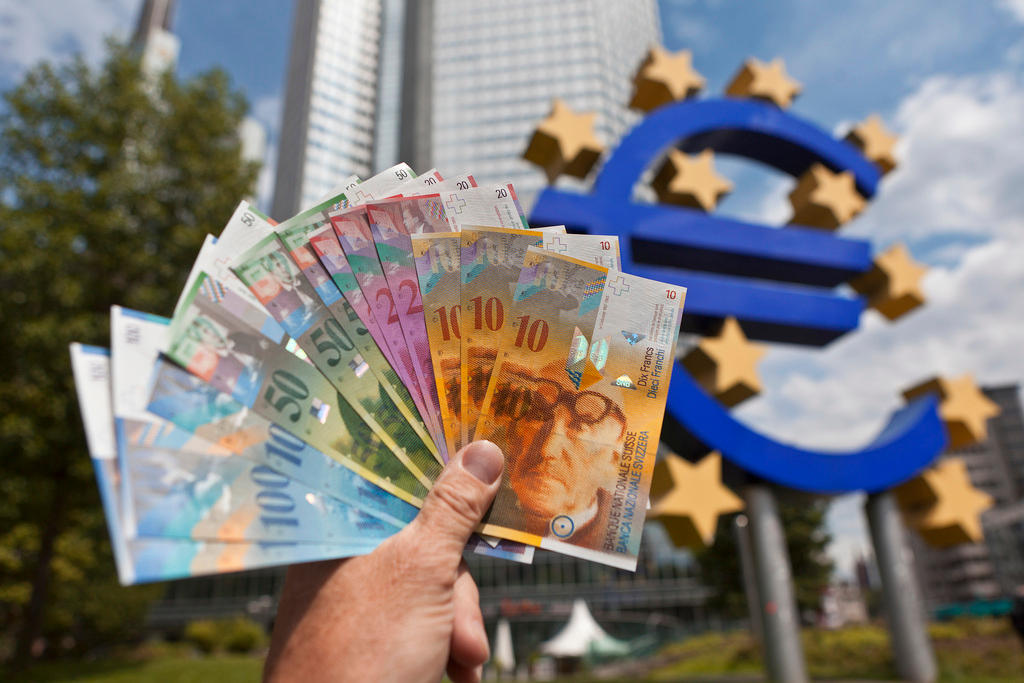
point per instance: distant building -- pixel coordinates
(158, 47)
(480, 76)
(330, 100)
(995, 567)
(454, 84)
(843, 604)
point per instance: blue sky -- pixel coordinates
(945, 75)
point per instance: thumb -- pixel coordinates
(460, 497)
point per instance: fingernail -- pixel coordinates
(483, 460)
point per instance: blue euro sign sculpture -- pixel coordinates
(779, 283)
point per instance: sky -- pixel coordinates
(945, 75)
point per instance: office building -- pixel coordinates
(479, 76)
(454, 84)
(995, 567)
(327, 127)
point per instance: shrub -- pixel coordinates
(244, 635)
(238, 635)
(203, 635)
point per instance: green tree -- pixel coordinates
(803, 519)
(108, 184)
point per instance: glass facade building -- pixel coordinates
(488, 73)
(328, 123)
(995, 567)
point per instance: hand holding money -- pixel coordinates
(317, 374)
(429, 621)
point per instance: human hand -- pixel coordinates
(406, 612)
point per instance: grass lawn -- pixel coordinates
(170, 669)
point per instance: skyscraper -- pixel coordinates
(455, 84)
(327, 129)
(479, 76)
(994, 567)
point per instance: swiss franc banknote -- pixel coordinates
(142, 560)
(576, 402)
(495, 205)
(224, 351)
(391, 224)
(289, 284)
(437, 259)
(352, 228)
(196, 407)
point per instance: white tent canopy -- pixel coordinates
(582, 635)
(504, 655)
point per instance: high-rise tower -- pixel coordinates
(480, 75)
(327, 129)
(456, 84)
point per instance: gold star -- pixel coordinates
(664, 77)
(690, 497)
(764, 81)
(690, 181)
(726, 365)
(823, 199)
(875, 142)
(962, 406)
(564, 142)
(943, 505)
(893, 285)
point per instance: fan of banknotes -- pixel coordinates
(317, 374)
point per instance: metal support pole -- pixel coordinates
(783, 651)
(911, 647)
(742, 528)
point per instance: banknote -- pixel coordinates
(353, 231)
(182, 494)
(424, 182)
(337, 193)
(136, 340)
(169, 405)
(296, 241)
(490, 261)
(196, 407)
(354, 307)
(437, 268)
(495, 205)
(379, 186)
(158, 559)
(391, 223)
(292, 285)
(296, 234)
(576, 403)
(224, 351)
(177, 484)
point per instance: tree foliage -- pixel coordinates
(803, 519)
(108, 183)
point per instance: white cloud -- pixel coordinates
(960, 179)
(961, 146)
(34, 31)
(1014, 7)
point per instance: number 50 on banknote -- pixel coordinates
(576, 401)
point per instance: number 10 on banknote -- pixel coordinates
(576, 401)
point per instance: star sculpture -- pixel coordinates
(690, 181)
(565, 142)
(664, 77)
(962, 406)
(823, 199)
(726, 365)
(875, 142)
(764, 81)
(688, 498)
(943, 506)
(893, 285)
